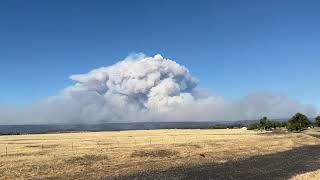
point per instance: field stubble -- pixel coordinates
(98, 155)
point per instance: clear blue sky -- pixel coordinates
(233, 47)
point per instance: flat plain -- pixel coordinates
(162, 154)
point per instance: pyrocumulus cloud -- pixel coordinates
(142, 88)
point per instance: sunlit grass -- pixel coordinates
(109, 154)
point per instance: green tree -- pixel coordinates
(318, 121)
(298, 122)
(264, 123)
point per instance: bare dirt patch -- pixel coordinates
(189, 145)
(155, 153)
(86, 159)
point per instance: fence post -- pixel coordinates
(117, 142)
(6, 149)
(72, 145)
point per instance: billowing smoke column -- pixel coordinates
(141, 88)
(141, 84)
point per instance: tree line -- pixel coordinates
(297, 123)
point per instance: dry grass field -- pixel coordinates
(162, 154)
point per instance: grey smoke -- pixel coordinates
(142, 88)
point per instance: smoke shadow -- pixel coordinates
(282, 165)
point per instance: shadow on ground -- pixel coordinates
(282, 165)
(315, 135)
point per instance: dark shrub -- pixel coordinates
(318, 121)
(298, 122)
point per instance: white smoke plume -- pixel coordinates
(142, 88)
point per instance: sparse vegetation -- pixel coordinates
(99, 155)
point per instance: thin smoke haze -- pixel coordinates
(142, 88)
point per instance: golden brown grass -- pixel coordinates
(94, 155)
(307, 176)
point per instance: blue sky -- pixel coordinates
(233, 47)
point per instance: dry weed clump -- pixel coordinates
(274, 132)
(155, 153)
(86, 159)
(189, 145)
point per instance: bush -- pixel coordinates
(275, 124)
(266, 124)
(253, 126)
(318, 121)
(298, 122)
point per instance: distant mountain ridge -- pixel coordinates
(59, 128)
(51, 128)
